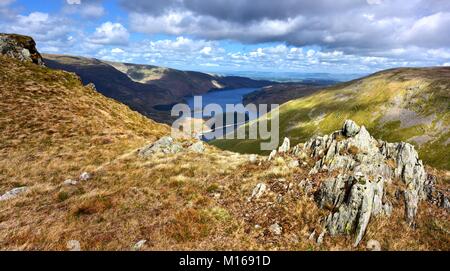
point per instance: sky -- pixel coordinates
(330, 36)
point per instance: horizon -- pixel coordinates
(349, 37)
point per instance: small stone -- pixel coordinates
(275, 229)
(387, 208)
(73, 245)
(320, 238)
(197, 147)
(139, 245)
(272, 155)
(257, 227)
(253, 159)
(373, 245)
(293, 164)
(70, 182)
(258, 191)
(85, 176)
(91, 86)
(350, 128)
(13, 193)
(312, 236)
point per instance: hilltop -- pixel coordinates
(405, 104)
(151, 90)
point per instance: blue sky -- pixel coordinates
(346, 36)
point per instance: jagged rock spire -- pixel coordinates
(364, 167)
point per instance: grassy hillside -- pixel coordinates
(408, 104)
(54, 128)
(114, 84)
(184, 83)
(281, 93)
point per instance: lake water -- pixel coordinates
(224, 97)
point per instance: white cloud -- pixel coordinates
(73, 2)
(110, 34)
(430, 31)
(40, 26)
(206, 50)
(117, 51)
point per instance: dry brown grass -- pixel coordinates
(53, 128)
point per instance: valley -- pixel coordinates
(409, 104)
(150, 90)
(86, 167)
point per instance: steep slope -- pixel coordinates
(53, 126)
(407, 104)
(184, 83)
(144, 88)
(114, 84)
(282, 93)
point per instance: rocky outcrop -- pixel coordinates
(285, 146)
(13, 193)
(359, 168)
(20, 47)
(163, 145)
(197, 147)
(168, 145)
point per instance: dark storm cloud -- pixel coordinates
(349, 25)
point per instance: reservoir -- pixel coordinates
(224, 97)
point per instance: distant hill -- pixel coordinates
(144, 87)
(284, 92)
(405, 104)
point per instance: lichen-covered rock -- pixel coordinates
(350, 128)
(285, 146)
(20, 47)
(253, 159)
(272, 155)
(258, 191)
(436, 196)
(165, 145)
(373, 245)
(197, 147)
(73, 245)
(364, 166)
(139, 245)
(69, 182)
(85, 176)
(276, 229)
(13, 193)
